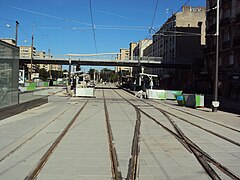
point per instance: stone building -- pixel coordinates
(180, 40)
(132, 46)
(123, 55)
(229, 49)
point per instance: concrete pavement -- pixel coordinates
(83, 153)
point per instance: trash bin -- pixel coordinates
(194, 100)
(180, 100)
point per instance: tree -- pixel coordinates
(56, 74)
(108, 75)
(91, 73)
(43, 74)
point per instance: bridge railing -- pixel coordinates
(105, 57)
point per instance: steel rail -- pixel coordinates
(196, 153)
(203, 118)
(193, 145)
(200, 127)
(33, 174)
(133, 161)
(116, 174)
(197, 150)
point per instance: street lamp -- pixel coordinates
(31, 67)
(16, 33)
(215, 102)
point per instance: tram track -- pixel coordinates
(116, 174)
(132, 172)
(203, 157)
(200, 117)
(36, 170)
(198, 126)
(133, 161)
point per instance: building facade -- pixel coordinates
(181, 39)
(9, 41)
(25, 52)
(141, 45)
(229, 48)
(123, 55)
(132, 46)
(138, 53)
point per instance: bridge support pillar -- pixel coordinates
(69, 72)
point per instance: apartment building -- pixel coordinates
(141, 45)
(25, 52)
(138, 52)
(9, 41)
(53, 67)
(181, 39)
(123, 55)
(229, 48)
(40, 54)
(132, 46)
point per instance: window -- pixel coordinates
(231, 59)
(226, 36)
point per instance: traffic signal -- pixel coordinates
(78, 68)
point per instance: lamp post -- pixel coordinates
(215, 102)
(16, 33)
(31, 66)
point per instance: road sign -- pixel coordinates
(21, 76)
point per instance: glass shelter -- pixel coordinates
(9, 74)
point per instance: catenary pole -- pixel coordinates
(16, 33)
(215, 102)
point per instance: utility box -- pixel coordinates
(180, 100)
(194, 100)
(172, 94)
(156, 94)
(85, 92)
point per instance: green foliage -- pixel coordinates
(56, 74)
(108, 75)
(43, 74)
(91, 73)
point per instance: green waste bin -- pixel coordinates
(180, 100)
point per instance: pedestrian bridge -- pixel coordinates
(104, 59)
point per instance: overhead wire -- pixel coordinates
(7, 19)
(154, 14)
(151, 29)
(19, 26)
(48, 15)
(181, 7)
(93, 27)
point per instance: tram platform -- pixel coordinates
(84, 154)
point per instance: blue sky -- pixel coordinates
(64, 26)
